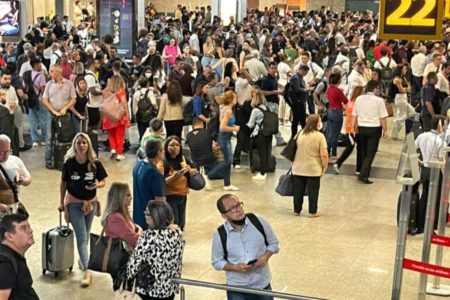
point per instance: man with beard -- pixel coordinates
(242, 247)
(16, 238)
(12, 103)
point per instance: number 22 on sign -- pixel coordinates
(419, 19)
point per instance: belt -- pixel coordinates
(339, 109)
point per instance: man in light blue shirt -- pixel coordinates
(249, 244)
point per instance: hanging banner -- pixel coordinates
(117, 18)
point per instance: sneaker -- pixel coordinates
(259, 176)
(237, 167)
(230, 188)
(120, 157)
(113, 154)
(336, 169)
(208, 184)
(87, 278)
(316, 215)
(357, 173)
(42, 143)
(35, 144)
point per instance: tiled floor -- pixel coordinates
(347, 253)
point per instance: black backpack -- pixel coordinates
(146, 111)
(223, 233)
(33, 98)
(188, 113)
(269, 124)
(387, 74)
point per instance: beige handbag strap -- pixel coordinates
(107, 255)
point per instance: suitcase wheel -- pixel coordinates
(56, 274)
(70, 269)
(43, 271)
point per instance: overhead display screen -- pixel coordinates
(9, 18)
(411, 19)
(117, 18)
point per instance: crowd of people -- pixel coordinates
(194, 84)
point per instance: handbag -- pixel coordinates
(123, 294)
(110, 107)
(290, 149)
(10, 195)
(285, 185)
(108, 255)
(196, 181)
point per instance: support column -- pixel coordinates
(23, 17)
(140, 16)
(59, 7)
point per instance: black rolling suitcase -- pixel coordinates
(255, 162)
(92, 136)
(414, 209)
(59, 150)
(413, 125)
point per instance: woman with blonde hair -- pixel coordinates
(309, 165)
(116, 129)
(116, 219)
(82, 175)
(262, 143)
(226, 128)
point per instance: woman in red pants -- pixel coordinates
(116, 129)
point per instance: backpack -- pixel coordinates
(63, 129)
(213, 126)
(146, 111)
(223, 233)
(269, 124)
(188, 113)
(387, 73)
(352, 55)
(33, 98)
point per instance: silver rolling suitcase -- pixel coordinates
(57, 249)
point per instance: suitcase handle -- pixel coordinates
(60, 220)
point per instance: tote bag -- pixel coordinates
(110, 106)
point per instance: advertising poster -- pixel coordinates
(9, 18)
(117, 18)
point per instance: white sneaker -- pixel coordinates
(230, 188)
(43, 143)
(120, 157)
(113, 153)
(237, 167)
(259, 176)
(336, 168)
(35, 144)
(208, 184)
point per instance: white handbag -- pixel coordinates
(123, 294)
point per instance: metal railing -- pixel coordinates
(225, 287)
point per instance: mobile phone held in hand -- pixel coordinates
(252, 262)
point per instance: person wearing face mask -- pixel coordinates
(309, 165)
(242, 248)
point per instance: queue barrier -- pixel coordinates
(224, 287)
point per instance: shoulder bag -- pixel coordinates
(108, 255)
(291, 148)
(124, 294)
(196, 181)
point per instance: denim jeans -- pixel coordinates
(219, 170)
(225, 146)
(206, 61)
(273, 107)
(47, 125)
(37, 119)
(334, 126)
(178, 205)
(242, 296)
(81, 224)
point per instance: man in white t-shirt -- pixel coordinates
(15, 170)
(95, 92)
(370, 116)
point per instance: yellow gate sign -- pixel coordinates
(411, 19)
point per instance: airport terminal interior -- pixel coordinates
(346, 253)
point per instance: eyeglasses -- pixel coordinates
(234, 208)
